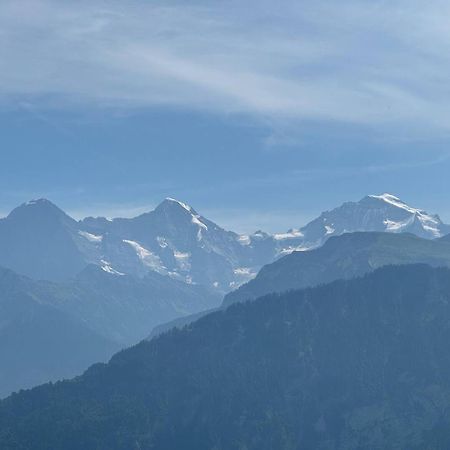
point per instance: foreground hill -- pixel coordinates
(354, 364)
(342, 257)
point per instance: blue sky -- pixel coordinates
(259, 114)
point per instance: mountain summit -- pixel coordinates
(38, 239)
(384, 212)
(170, 203)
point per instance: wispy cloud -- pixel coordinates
(359, 62)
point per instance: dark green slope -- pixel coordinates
(355, 364)
(342, 257)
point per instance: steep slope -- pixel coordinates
(39, 343)
(345, 256)
(356, 364)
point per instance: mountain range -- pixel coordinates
(360, 363)
(39, 240)
(111, 281)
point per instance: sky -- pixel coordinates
(259, 114)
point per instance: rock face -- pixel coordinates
(355, 364)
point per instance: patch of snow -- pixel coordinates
(195, 219)
(36, 201)
(289, 235)
(242, 271)
(395, 201)
(162, 242)
(107, 268)
(183, 205)
(182, 260)
(329, 230)
(201, 225)
(148, 258)
(291, 249)
(429, 222)
(90, 237)
(260, 235)
(395, 227)
(181, 255)
(245, 274)
(244, 239)
(433, 230)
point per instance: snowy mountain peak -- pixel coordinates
(40, 203)
(392, 200)
(171, 200)
(171, 204)
(384, 212)
(388, 198)
(41, 207)
(431, 223)
(172, 209)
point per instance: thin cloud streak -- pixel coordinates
(357, 62)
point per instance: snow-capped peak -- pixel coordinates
(182, 204)
(37, 201)
(195, 218)
(40, 202)
(395, 201)
(41, 208)
(430, 223)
